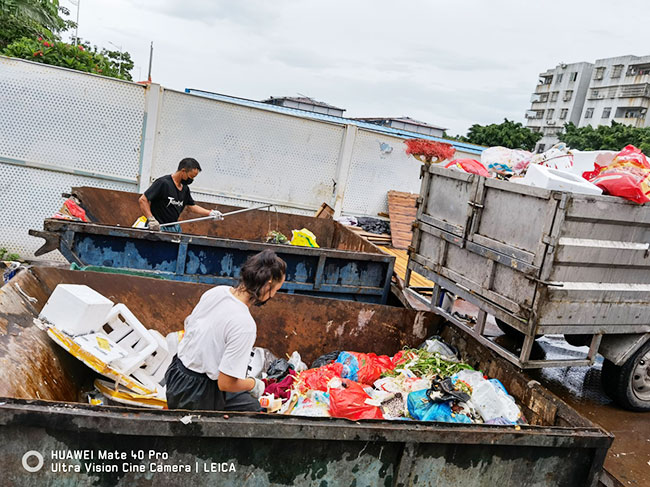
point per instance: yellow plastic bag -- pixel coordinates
(303, 238)
(140, 222)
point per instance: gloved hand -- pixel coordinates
(258, 390)
(216, 214)
(153, 224)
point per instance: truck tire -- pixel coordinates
(629, 384)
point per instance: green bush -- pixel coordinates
(81, 58)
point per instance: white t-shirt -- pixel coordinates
(219, 335)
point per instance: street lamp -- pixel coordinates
(76, 29)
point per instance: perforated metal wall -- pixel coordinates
(31, 195)
(70, 119)
(248, 153)
(380, 164)
(374, 170)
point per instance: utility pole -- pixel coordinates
(150, 61)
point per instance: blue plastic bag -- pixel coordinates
(421, 408)
(350, 366)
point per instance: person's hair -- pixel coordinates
(189, 163)
(260, 269)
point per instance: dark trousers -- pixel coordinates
(187, 389)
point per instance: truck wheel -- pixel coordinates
(629, 384)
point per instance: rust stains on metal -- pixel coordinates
(120, 208)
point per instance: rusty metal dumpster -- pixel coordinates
(543, 262)
(40, 384)
(344, 267)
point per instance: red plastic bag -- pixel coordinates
(471, 166)
(402, 357)
(364, 367)
(349, 401)
(628, 176)
(625, 185)
(318, 378)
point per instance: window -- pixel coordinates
(564, 113)
(554, 95)
(600, 72)
(568, 95)
(606, 112)
(549, 114)
(558, 78)
(546, 80)
(574, 77)
(617, 71)
(589, 112)
(541, 147)
(534, 129)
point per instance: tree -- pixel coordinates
(507, 134)
(30, 29)
(606, 137)
(30, 18)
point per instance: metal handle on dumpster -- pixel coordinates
(212, 218)
(542, 281)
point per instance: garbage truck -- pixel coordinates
(541, 262)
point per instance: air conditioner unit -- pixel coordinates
(550, 122)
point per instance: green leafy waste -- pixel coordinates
(428, 363)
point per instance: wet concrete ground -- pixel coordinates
(628, 459)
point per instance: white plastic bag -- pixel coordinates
(298, 364)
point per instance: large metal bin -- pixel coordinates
(344, 267)
(542, 262)
(40, 383)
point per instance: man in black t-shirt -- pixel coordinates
(166, 198)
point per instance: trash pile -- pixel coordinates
(425, 384)
(626, 176)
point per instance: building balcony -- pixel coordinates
(542, 89)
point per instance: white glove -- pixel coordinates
(153, 224)
(258, 389)
(216, 214)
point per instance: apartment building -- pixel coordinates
(612, 89)
(619, 91)
(559, 98)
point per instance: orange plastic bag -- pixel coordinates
(349, 401)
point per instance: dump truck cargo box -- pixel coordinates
(540, 261)
(41, 386)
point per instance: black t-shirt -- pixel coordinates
(167, 202)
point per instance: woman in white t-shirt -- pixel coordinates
(209, 371)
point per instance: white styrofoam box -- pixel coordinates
(101, 346)
(554, 179)
(76, 309)
(584, 160)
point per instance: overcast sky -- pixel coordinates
(451, 63)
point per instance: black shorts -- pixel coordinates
(187, 389)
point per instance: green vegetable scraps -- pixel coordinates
(429, 363)
(276, 237)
